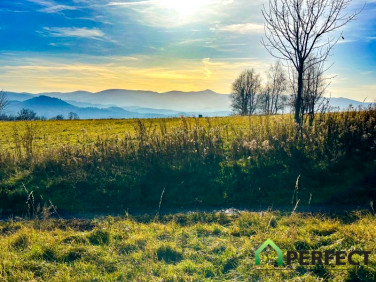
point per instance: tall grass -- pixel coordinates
(198, 163)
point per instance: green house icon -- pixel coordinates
(274, 247)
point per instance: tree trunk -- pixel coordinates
(299, 96)
(244, 102)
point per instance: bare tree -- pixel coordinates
(3, 101)
(73, 116)
(273, 100)
(297, 30)
(244, 92)
(26, 114)
(315, 85)
(58, 117)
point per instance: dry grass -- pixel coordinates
(115, 165)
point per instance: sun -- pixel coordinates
(186, 8)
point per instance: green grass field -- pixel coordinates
(57, 133)
(50, 169)
(111, 166)
(190, 247)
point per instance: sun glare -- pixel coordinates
(186, 8)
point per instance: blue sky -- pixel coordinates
(159, 45)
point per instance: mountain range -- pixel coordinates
(207, 100)
(49, 107)
(117, 103)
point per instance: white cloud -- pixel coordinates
(56, 9)
(141, 72)
(345, 41)
(51, 7)
(360, 92)
(83, 32)
(172, 13)
(130, 4)
(42, 2)
(191, 41)
(245, 28)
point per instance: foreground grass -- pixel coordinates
(196, 246)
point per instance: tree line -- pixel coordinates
(251, 96)
(302, 33)
(27, 114)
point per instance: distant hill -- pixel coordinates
(50, 107)
(343, 103)
(202, 101)
(120, 103)
(19, 96)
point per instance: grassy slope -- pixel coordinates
(180, 247)
(115, 165)
(93, 166)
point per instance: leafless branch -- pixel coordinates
(303, 32)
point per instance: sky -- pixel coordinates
(159, 45)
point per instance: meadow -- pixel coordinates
(183, 247)
(55, 133)
(113, 166)
(146, 172)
